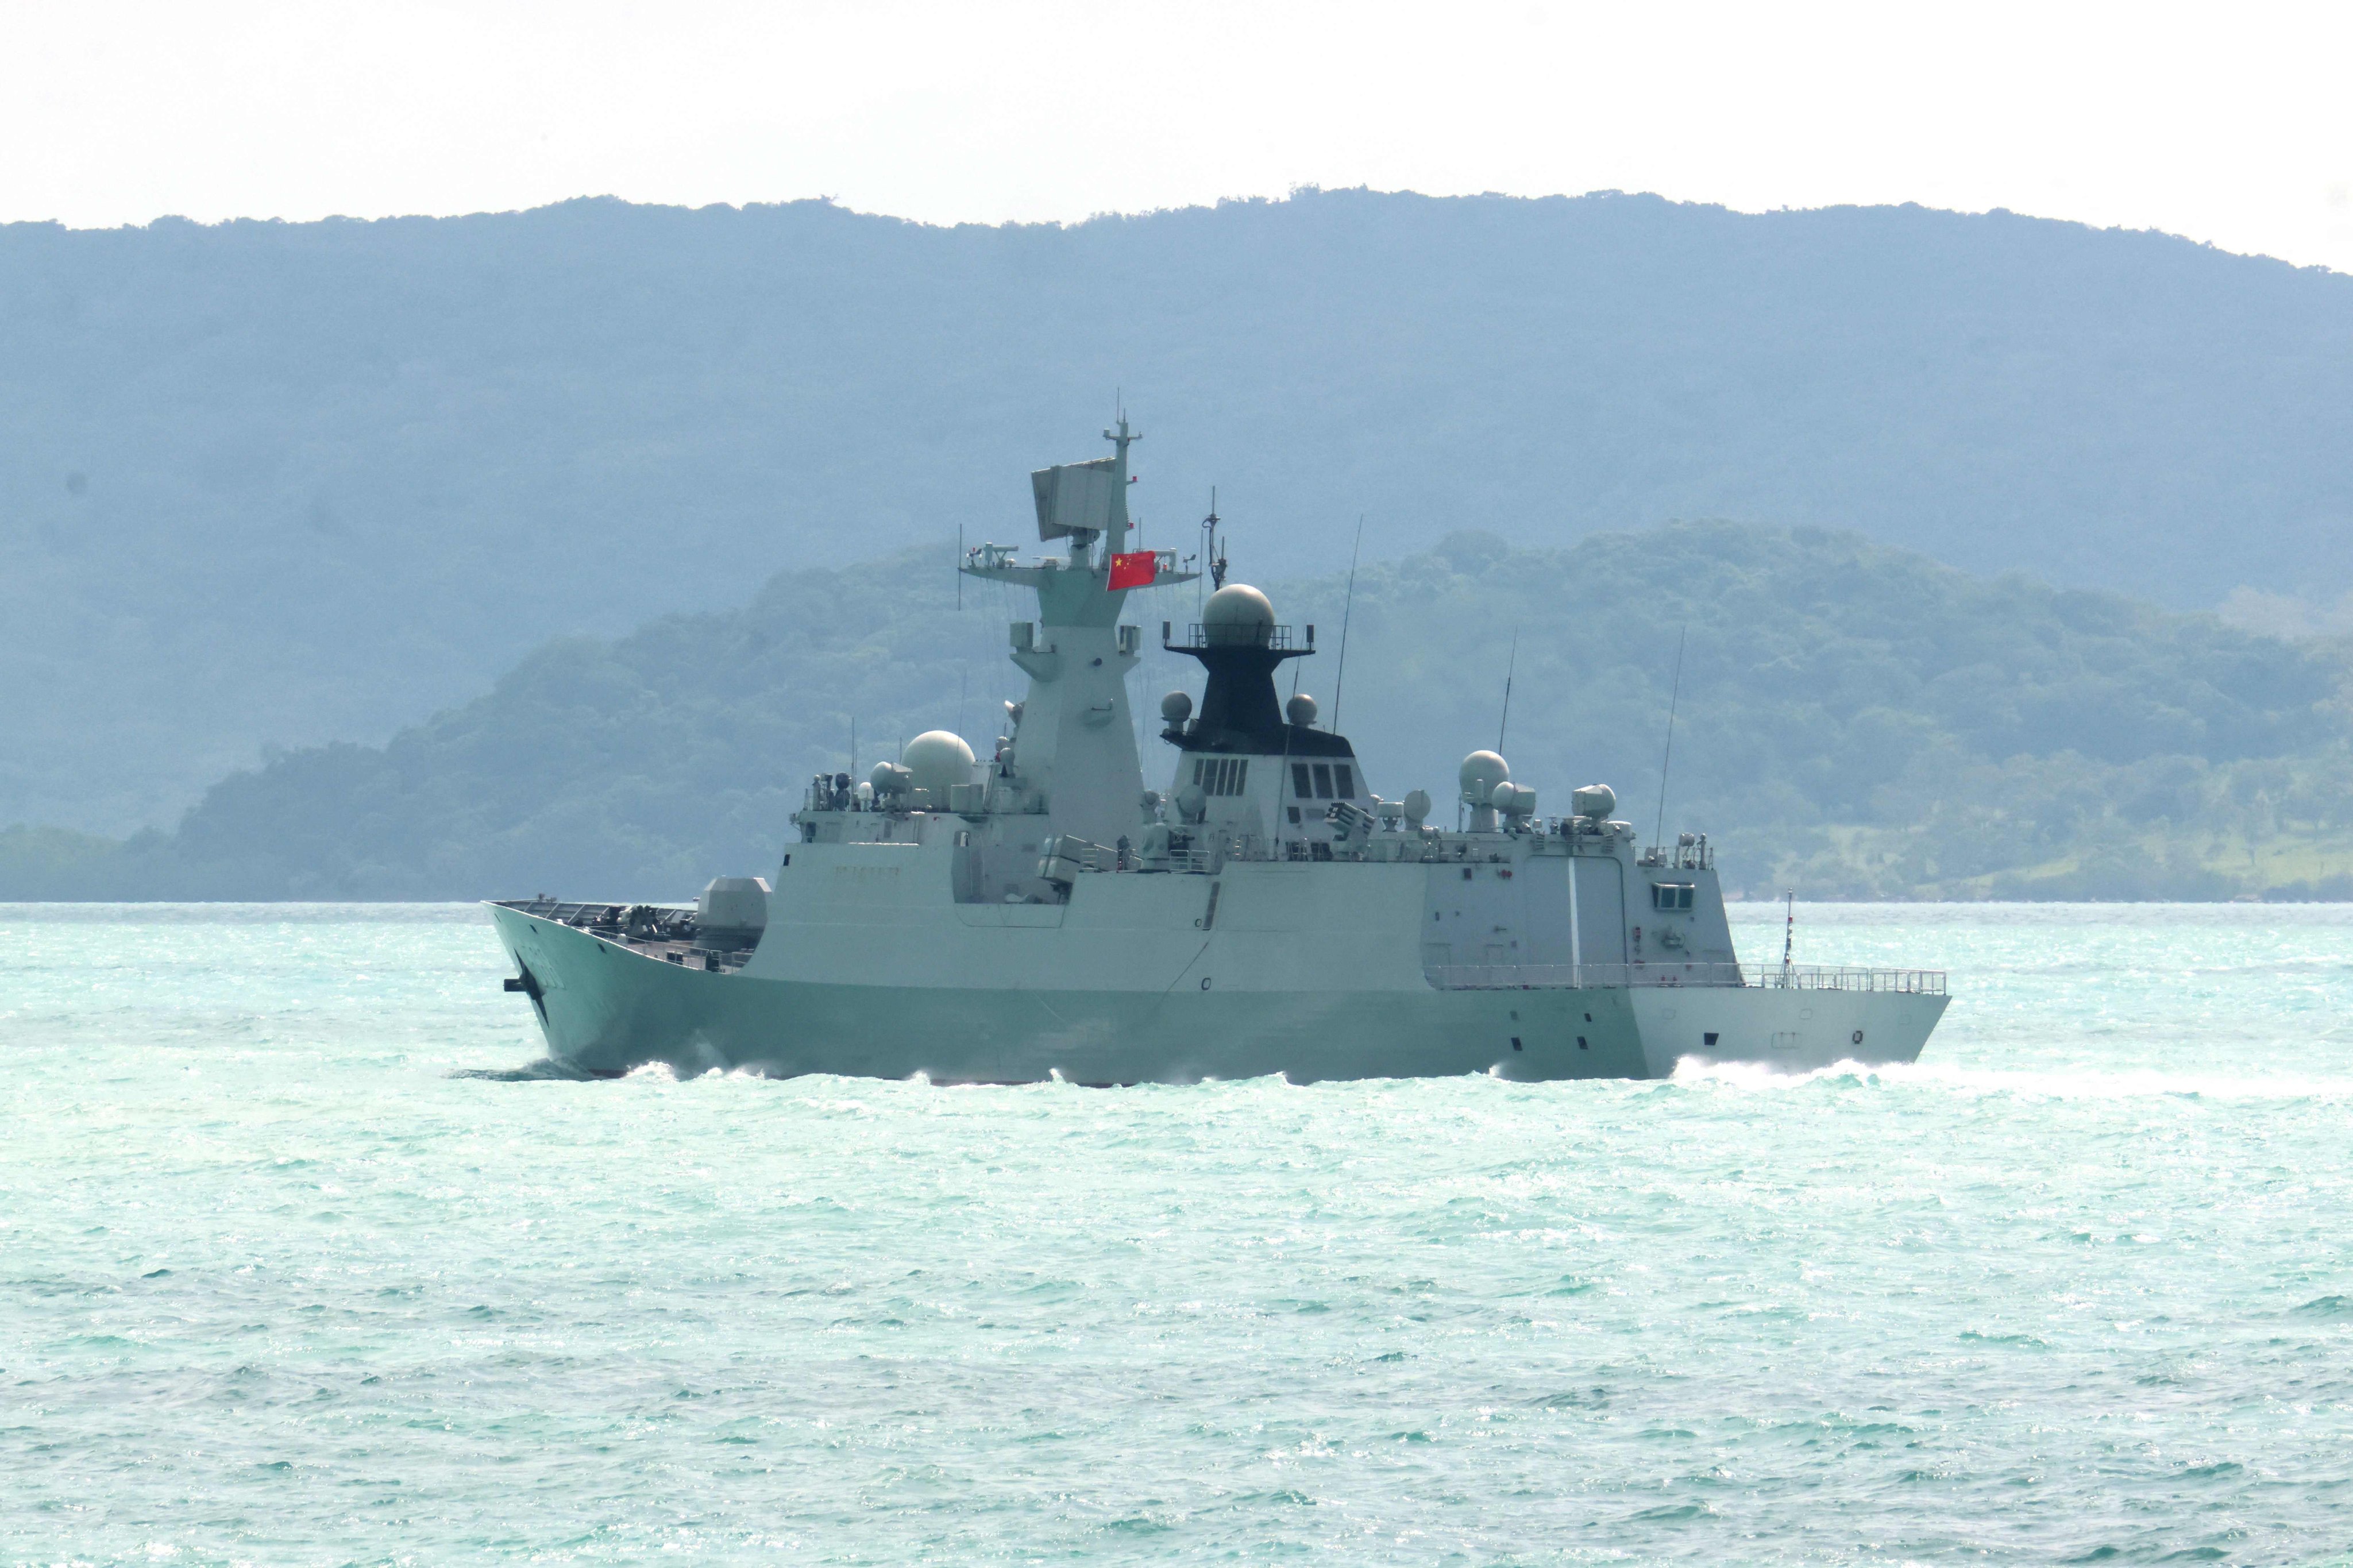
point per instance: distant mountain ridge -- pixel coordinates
(284, 483)
(1854, 721)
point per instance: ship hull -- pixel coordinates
(607, 1007)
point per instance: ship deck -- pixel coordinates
(665, 932)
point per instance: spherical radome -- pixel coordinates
(1300, 709)
(937, 760)
(1177, 707)
(1481, 773)
(1238, 612)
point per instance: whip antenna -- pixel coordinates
(1510, 665)
(1213, 562)
(1660, 827)
(1347, 608)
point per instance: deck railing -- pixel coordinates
(1199, 637)
(1771, 976)
(1070, 853)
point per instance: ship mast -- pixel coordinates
(1120, 437)
(1071, 755)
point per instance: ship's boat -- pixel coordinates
(1038, 913)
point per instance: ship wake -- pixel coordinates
(2057, 1083)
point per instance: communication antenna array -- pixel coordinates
(1215, 544)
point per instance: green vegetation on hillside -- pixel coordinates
(269, 483)
(1854, 722)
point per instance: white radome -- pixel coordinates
(936, 759)
(1238, 612)
(1480, 774)
(1595, 801)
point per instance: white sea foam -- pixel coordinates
(2078, 1083)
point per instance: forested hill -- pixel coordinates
(1854, 720)
(272, 483)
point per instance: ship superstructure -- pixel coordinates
(1041, 913)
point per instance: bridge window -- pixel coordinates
(1670, 895)
(1322, 781)
(1221, 775)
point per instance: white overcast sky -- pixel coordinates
(2228, 124)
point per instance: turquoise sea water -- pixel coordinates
(294, 1269)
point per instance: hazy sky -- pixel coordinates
(2229, 124)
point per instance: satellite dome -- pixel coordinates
(1238, 615)
(1300, 709)
(937, 760)
(1481, 773)
(1177, 707)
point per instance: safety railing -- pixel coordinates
(1244, 635)
(588, 917)
(1606, 976)
(1194, 862)
(1067, 853)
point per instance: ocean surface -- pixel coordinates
(301, 1262)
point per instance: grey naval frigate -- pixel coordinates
(1039, 914)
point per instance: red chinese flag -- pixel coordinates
(1133, 571)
